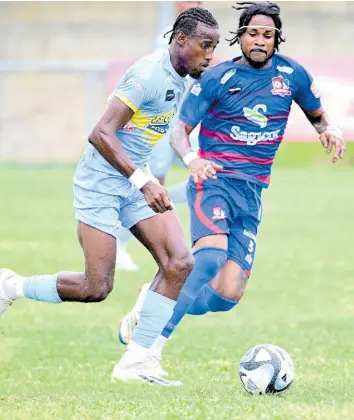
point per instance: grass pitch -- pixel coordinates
(56, 361)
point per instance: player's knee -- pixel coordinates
(240, 285)
(231, 286)
(98, 289)
(178, 267)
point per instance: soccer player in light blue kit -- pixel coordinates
(113, 187)
(162, 155)
(243, 105)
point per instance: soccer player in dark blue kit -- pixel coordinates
(243, 106)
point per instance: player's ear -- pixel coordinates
(181, 38)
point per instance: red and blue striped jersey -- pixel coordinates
(244, 113)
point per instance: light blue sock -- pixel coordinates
(124, 235)
(178, 193)
(155, 313)
(42, 288)
(208, 300)
(207, 263)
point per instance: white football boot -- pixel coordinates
(5, 300)
(137, 364)
(124, 261)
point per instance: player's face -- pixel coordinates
(198, 50)
(257, 44)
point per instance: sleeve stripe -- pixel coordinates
(126, 101)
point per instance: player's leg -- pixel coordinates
(160, 163)
(124, 261)
(210, 213)
(97, 213)
(228, 287)
(209, 231)
(162, 235)
(93, 285)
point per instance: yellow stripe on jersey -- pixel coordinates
(153, 128)
(126, 101)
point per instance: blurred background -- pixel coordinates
(59, 60)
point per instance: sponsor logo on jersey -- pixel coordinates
(160, 123)
(285, 69)
(255, 116)
(227, 76)
(218, 213)
(196, 89)
(253, 138)
(170, 95)
(280, 86)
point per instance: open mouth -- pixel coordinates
(258, 51)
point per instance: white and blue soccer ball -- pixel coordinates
(266, 369)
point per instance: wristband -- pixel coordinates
(190, 157)
(139, 178)
(334, 130)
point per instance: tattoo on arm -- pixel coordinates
(318, 119)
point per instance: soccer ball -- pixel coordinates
(266, 369)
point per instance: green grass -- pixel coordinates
(55, 361)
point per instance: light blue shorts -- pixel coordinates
(163, 155)
(106, 201)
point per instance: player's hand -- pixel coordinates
(157, 197)
(202, 169)
(332, 139)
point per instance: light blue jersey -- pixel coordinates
(103, 197)
(163, 155)
(152, 89)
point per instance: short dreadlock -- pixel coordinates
(187, 22)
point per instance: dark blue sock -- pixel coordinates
(208, 262)
(208, 300)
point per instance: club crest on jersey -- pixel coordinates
(129, 127)
(218, 213)
(160, 124)
(170, 95)
(255, 116)
(280, 86)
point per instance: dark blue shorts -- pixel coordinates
(227, 206)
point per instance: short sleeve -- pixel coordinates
(307, 94)
(137, 86)
(198, 100)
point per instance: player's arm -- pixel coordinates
(330, 135)
(194, 108)
(308, 98)
(104, 139)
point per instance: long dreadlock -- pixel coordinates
(251, 9)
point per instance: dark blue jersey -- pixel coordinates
(244, 113)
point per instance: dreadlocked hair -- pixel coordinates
(187, 22)
(251, 9)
